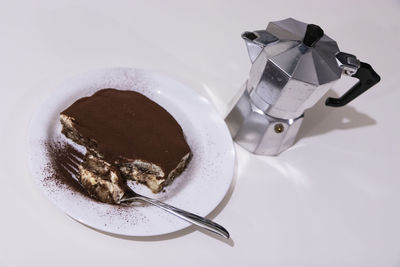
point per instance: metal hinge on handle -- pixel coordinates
(348, 62)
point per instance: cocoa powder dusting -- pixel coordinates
(60, 174)
(127, 126)
(62, 167)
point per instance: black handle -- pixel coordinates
(367, 78)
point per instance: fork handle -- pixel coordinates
(187, 216)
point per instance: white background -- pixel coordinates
(331, 200)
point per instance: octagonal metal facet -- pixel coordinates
(259, 133)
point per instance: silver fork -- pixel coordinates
(71, 165)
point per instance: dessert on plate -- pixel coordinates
(127, 136)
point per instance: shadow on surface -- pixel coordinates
(321, 119)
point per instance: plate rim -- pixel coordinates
(99, 227)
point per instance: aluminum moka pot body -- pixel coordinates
(293, 65)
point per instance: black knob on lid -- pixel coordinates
(313, 34)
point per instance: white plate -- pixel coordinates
(199, 189)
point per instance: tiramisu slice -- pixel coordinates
(127, 130)
(101, 180)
